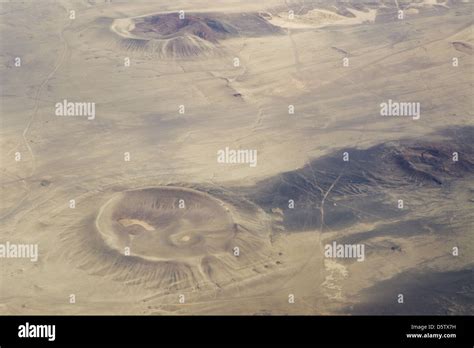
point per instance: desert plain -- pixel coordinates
(202, 157)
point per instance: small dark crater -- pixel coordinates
(45, 183)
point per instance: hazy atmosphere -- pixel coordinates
(237, 157)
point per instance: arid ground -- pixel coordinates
(210, 152)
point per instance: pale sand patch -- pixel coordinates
(412, 11)
(320, 18)
(131, 222)
(335, 273)
(429, 3)
(123, 27)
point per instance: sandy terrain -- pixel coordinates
(133, 210)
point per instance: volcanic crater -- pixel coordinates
(192, 34)
(166, 223)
